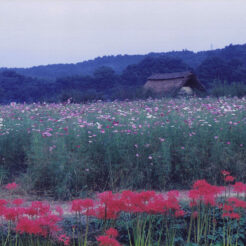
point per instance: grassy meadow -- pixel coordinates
(121, 157)
(67, 150)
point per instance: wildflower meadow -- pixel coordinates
(68, 150)
(120, 166)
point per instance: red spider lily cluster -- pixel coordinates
(40, 219)
(109, 239)
(231, 208)
(36, 219)
(108, 205)
(204, 192)
(227, 177)
(11, 186)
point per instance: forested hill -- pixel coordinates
(117, 63)
(110, 78)
(120, 62)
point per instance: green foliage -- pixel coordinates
(219, 89)
(120, 62)
(138, 74)
(122, 77)
(158, 144)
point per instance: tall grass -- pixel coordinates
(221, 89)
(72, 149)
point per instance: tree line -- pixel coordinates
(221, 74)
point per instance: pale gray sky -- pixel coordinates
(34, 32)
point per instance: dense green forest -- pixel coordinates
(122, 77)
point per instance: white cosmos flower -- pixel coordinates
(1, 123)
(99, 126)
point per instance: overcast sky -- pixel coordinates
(34, 32)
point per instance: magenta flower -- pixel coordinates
(11, 186)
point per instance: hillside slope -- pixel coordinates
(120, 62)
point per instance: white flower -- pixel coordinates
(99, 126)
(1, 123)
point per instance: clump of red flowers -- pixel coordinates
(231, 208)
(64, 239)
(229, 179)
(83, 206)
(239, 187)
(11, 186)
(35, 219)
(204, 192)
(225, 173)
(109, 239)
(112, 232)
(39, 219)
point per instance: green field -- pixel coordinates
(66, 150)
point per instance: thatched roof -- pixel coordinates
(163, 76)
(170, 83)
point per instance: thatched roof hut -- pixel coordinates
(184, 83)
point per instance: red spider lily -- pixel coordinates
(38, 208)
(64, 239)
(11, 214)
(108, 206)
(203, 191)
(157, 205)
(143, 202)
(173, 193)
(31, 211)
(107, 241)
(103, 212)
(172, 202)
(11, 186)
(179, 213)
(209, 200)
(59, 210)
(112, 232)
(146, 196)
(231, 215)
(42, 226)
(150, 202)
(18, 202)
(48, 224)
(227, 208)
(3, 202)
(239, 187)
(26, 225)
(225, 173)
(130, 201)
(106, 197)
(236, 203)
(42, 208)
(76, 206)
(84, 206)
(229, 178)
(204, 188)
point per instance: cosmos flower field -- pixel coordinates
(66, 150)
(129, 153)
